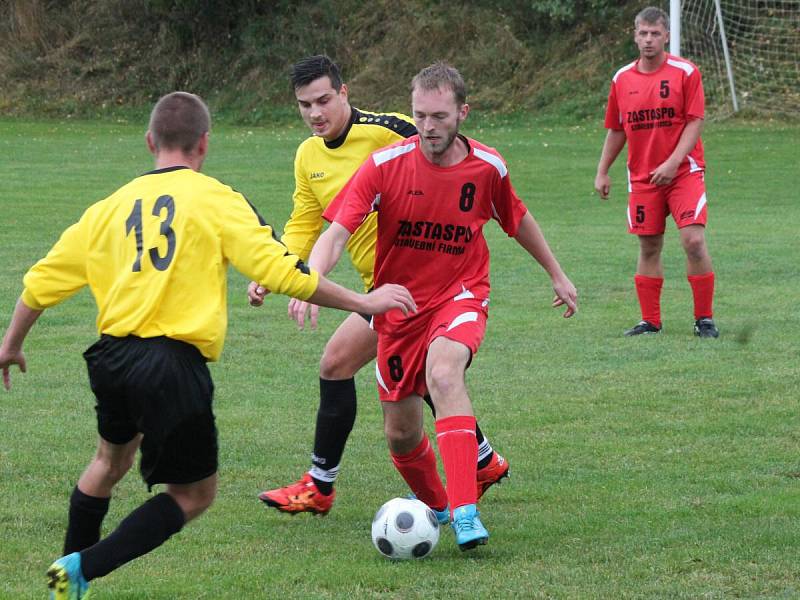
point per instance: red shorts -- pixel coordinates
(684, 198)
(400, 366)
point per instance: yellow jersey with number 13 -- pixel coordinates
(155, 256)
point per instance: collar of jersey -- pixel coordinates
(333, 144)
(166, 170)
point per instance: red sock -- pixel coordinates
(649, 291)
(459, 449)
(703, 292)
(418, 468)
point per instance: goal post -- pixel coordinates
(747, 51)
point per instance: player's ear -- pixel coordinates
(463, 112)
(343, 91)
(202, 145)
(148, 137)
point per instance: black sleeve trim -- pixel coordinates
(301, 266)
(391, 122)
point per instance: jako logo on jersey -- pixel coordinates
(434, 231)
(416, 193)
(317, 175)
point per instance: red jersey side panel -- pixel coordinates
(653, 109)
(430, 222)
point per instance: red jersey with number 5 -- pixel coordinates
(653, 109)
(430, 222)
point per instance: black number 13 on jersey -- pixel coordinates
(134, 223)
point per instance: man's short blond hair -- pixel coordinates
(178, 121)
(441, 75)
(652, 15)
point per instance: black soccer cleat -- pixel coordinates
(704, 327)
(643, 327)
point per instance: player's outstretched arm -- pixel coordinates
(385, 298)
(530, 237)
(324, 255)
(615, 142)
(11, 349)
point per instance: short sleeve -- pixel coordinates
(613, 120)
(694, 96)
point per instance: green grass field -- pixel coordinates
(661, 467)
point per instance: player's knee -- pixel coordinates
(194, 500)
(112, 469)
(695, 246)
(336, 363)
(443, 380)
(401, 437)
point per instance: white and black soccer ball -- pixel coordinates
(405, 528)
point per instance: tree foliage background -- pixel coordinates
(86, 57)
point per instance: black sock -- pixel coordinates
(145, 529)
(335, 419)
(86, 514)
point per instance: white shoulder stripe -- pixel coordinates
(387, 155)
(622, 70)
(688, 69)
(492, 160)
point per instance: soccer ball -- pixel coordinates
(405, 528)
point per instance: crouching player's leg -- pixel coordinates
(154, 394)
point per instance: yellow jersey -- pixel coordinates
(322, 168)
(155, 256)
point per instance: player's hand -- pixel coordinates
(602, 184)
(566, 294)
(387, 297)
(664, 173)
(8, 358)
(298, 310)
(256, 294)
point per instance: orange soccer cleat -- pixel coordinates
(492, 473)
(301, 496)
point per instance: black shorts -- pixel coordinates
(162, 388)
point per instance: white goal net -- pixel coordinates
(763, 47)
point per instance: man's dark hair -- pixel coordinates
(178, 121)
(441, 75)
(312, 68)
(652, 15)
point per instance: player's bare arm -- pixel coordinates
(11, 349)
(385, 298)
(530, 237)
(324, 256)
(666, 171)
(615, 142)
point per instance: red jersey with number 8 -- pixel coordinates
(653, 109)
(430, 222)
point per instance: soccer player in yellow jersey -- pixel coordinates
(155, 255)
(343, 138)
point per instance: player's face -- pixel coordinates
(651, 39)
(324, 110)
(437, 117)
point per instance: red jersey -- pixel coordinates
(430, 222)
(653, 109)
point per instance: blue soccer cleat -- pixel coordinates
(65, 579)
(468, 528)
(443, 516)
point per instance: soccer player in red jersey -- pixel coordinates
(656, 104)
(432, 193)
(343, 138)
